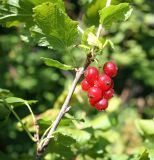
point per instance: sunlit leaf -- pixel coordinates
(59, 30)
(115, 13)
(145, 127)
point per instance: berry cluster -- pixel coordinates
(99, 86)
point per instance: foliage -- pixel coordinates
(125, 131)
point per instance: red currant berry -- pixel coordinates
(102, 104)
(112, 84)
(104, 82)
(108, 94)
(95, 93)
(85, 85)
(110, 69)
(91, 74)
(92, 102)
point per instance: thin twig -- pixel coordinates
(18, 118)
(108, 2)
(80, 29)
(36, 126)
(41, 148)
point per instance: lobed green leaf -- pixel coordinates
(12, 13)
(115, 13)
(58, 29)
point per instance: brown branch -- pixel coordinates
(42, 146)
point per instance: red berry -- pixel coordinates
(91, 74)
(110, 69)
(108, 94)
(85, 85)
(95, 93)
(104, 82)
(112, 84)
(102, 104)
(92, 102)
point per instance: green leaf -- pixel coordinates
(62, 151)
(144, 156)
(57, 28)
(85, 34)
(94, 41)
(64, 139)
(4, 93)
(79, 135)
(145, 127)
(4, 112)
(115, 13)
(12, 13)
(151, 154)
(104, 121)
(68, 116)
(92, 11)
(57, 64)
(15, 101)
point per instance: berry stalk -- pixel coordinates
(42, 145)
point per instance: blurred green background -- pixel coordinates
(124, 131)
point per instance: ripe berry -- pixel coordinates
(102, 104)
(92, 102)
(85, 85)
(108, 94)
(110, 69)
(95, 94)
(104, 82)
(112, 84)
(91, 74)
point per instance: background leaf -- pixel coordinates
(57, 64)
(64, 139)
(15, 101)
(145, 127)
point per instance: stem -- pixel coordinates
(80, 29)
(63, 110)
(108, 2)
(18, 118)
(30, 110)
(36, 126)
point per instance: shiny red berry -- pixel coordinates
(102, 104)
(92, 102)
(110, 69)
(108, 94)
(95, 94)
(104, 82)
(91, 74)
(85, 85)
(112, 84)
